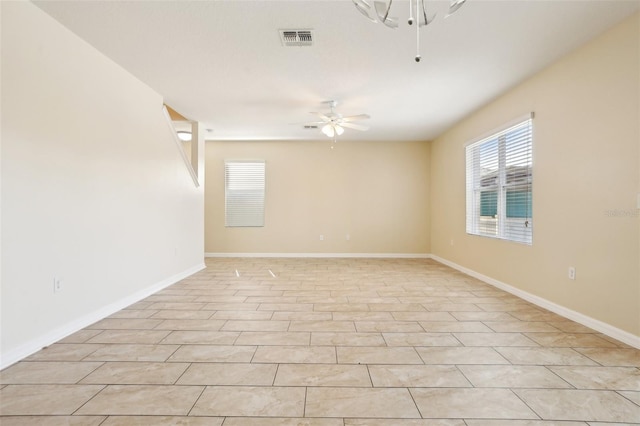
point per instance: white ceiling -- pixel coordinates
(222, 62)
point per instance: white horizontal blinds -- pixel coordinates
(499, 184)
(244, 185)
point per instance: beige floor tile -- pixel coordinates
(45, 399)
(52, 420)
(544, 356)
(360, 402)
(127, 352)
(341, 307)
(519, 326)
(201, 337)
(523, 423)
(396, 307)
(377, 355)
(585, 405)
(613, 357)
(452, 307)
(343, 326)
(402, 422)
(64, 352)
(80, 336)
(511, 376)
(279, 421)
(136, 373)
(613, 378)
(254, 325)
(322, 375)
(143, 400)
(388, 326)
(570, 326)
(460, 355)
(231, 307)
(296, 354)
(363, 316)
(347, 339)
(569, 340)
(631, 396)
(272, 299)
(243, 315)
(130, 336)
(483, 316)
(223, 374)
(47, 372)
(177, 306)
(274, 338)
(133, 313)
(125, 324)
(189, 324)
(302, 316)
(455, 326)
(420, 339)
(471, 403)
(182, 315)
(162, 421)
(236, 401)
(417, 376)
(423, 316)
(211, 353)
(286, 307)
(494, 339)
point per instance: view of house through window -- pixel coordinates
(244, 185)
(499, 184)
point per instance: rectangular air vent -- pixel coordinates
(310, 126)
(296, 37)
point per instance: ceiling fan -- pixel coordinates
(333, 123)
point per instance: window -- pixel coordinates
(244, 193)
(499, 183)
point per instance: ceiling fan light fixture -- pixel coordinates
(339, 130)
(327, 129)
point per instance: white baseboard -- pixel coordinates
(602, 327)
(326, 255)
(34, 345)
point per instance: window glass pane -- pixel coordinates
(244, 193)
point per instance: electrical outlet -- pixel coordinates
(57, 285)
(321, 237)
(347, 237)
(572, 273)
(452, 241)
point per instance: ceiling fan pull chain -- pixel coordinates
(418, 30)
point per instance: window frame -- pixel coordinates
(244, 206)
(513, 187)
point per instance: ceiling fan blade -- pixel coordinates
(454, 6)
(364, 8)
(354, 126)
(426, 20)
(382, 9)
(355, 117)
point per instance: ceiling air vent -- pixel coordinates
(310, 126)
(296, 37)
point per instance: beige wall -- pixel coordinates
(586, 164)
(377, 192)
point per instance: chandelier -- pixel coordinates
(381, 8)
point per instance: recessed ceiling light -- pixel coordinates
(183, 135)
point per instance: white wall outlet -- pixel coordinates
(451, 241)
(347, 237)
(321, 237)
(57, 284)
(572, 273)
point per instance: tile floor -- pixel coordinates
(327, 342)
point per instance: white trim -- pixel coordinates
(505, 126)
(178, 142)
(326, 255)
(602, 327)
(34, 345)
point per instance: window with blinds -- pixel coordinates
(499, 183)
(244, 185)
